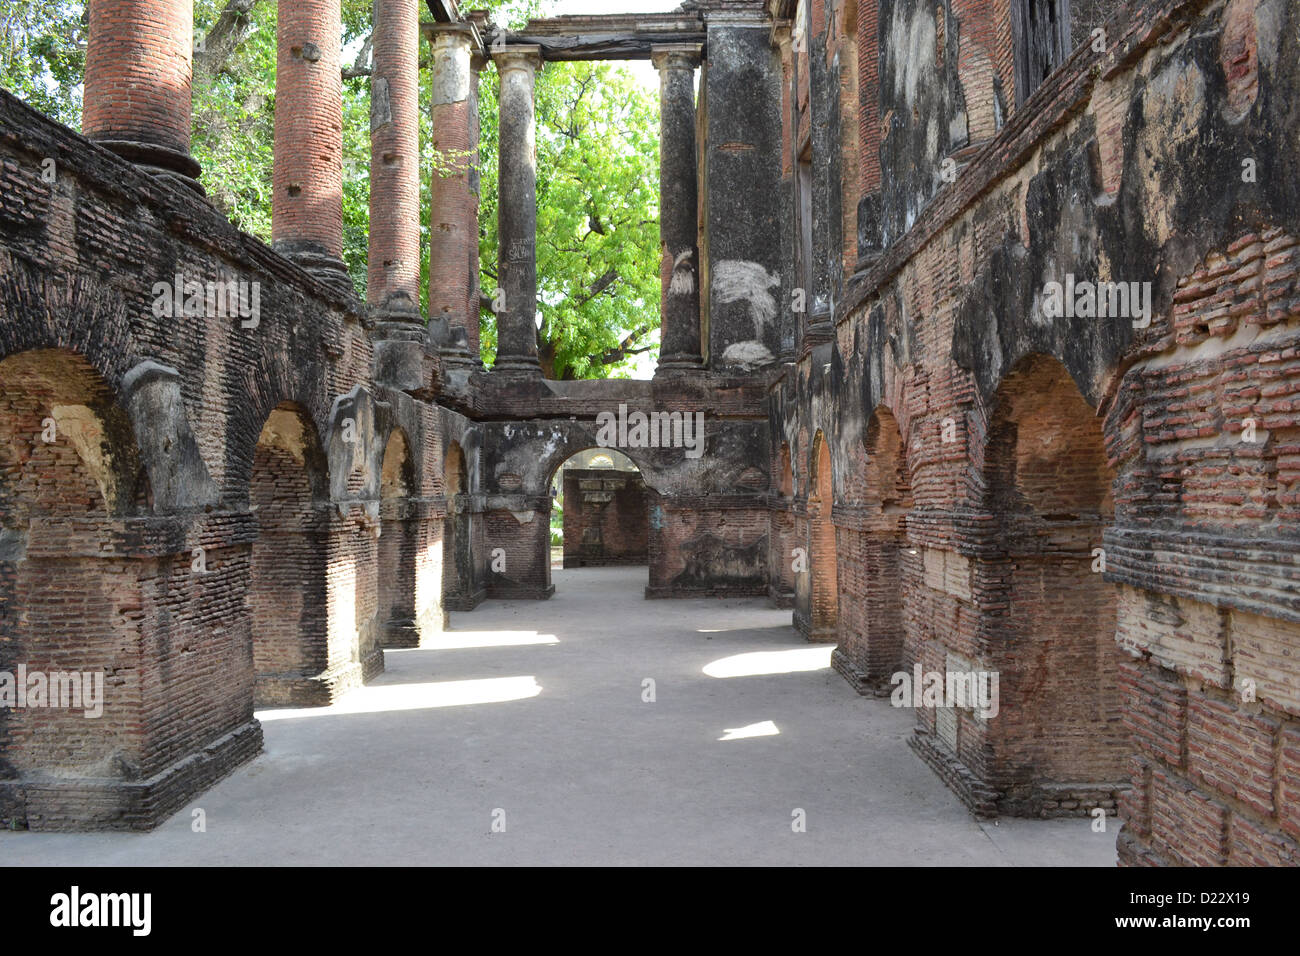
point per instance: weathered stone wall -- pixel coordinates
(1100, 511)
(605, 518)
(209, 534)
(698, 488)
(1097, 509)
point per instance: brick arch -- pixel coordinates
(1044, 450)
(784, 471)
(397, 471)
(72, 587)
(268, 386)
(576, 444)
(458, 566)
(44, 309)
(455, 470)
(1056, 745)
(874, 554)
(401, 546)
(605, 517)
(288, 491)
(819, 600)
(93, 435)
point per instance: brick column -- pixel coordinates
(137, 86)
(678, 210)
(307, 174)
(453, 214)
(783, 40)
(868, 223)
(517, 211)
(824, 109)
(393, 266)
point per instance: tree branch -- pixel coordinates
(597, 287)
(624, 349)
(360, 67)
(232, 27)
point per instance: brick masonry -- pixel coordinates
(605, 518)
(936, 474)
(1101, 512)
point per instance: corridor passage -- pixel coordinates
(525, 738)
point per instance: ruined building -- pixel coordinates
(990, 308)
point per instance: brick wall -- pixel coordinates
(1085, 513)
(605, 518)
(701, 547)
(160, 421)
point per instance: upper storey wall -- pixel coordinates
(87, 241)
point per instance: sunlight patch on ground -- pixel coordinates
(764, 728)
(378, 699)
(458, 640)
(772, 662)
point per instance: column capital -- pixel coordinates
(783, 35)
(521, 56)
(449, 34)
(676, 56)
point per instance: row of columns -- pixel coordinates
(137, 103)
(678, 209)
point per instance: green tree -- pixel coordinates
(43, 55)
(597, 219)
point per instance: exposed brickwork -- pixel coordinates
(605, 518)
(1100, 511)
(393, 266)
(1086, 514)
(288, 592)
(307, 176)
(872, 546)
(138, 66)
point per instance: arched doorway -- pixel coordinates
(288, 600)
(1057, 744)
(599, 511)
(75, 623)
(870, 647)
(822, 611)
(399, 546)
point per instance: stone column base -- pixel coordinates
(48, 803)
(319, 690)
(167, 164)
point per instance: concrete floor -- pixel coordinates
(535, 709)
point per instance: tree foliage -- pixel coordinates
(43, 55)
(597, 218)
(597, 162)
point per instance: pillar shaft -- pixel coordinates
(137, 86)
(678, 209)
(824, 107)
(393, 267)
(517, 211)
(453, 214)
(307, 172)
